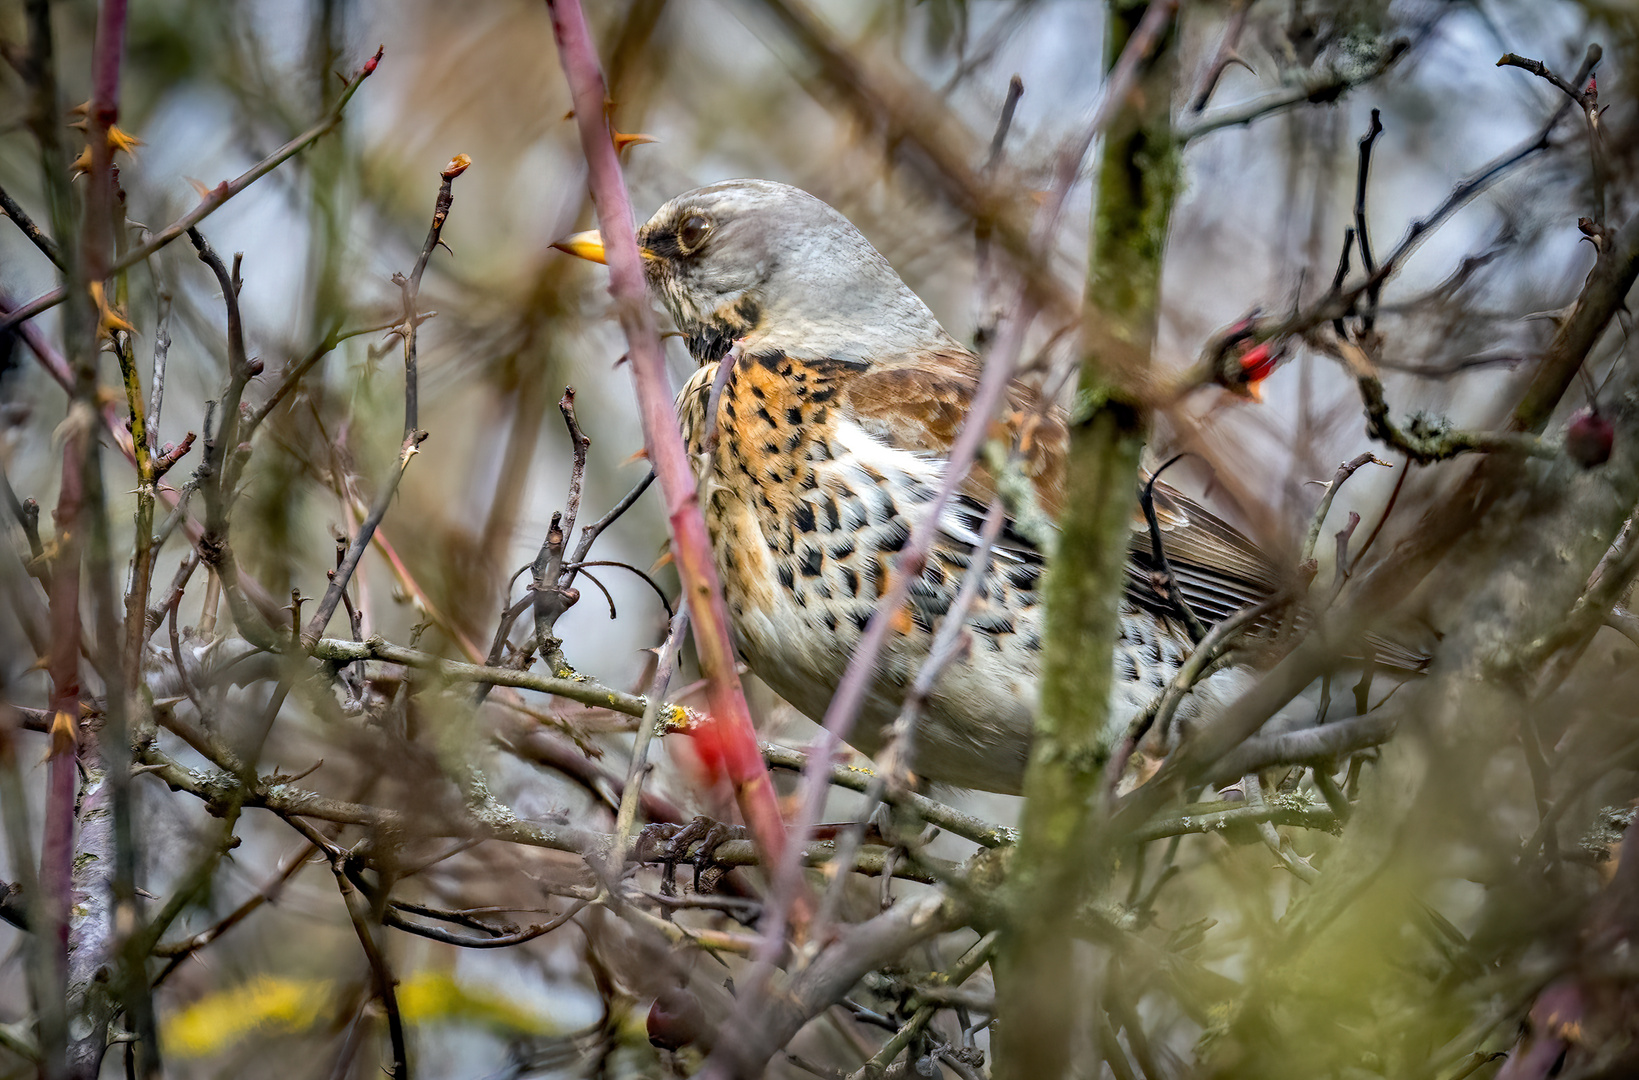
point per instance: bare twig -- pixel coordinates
(218, 789)
(1308, 746)
(1234, 25)
(987, 285)
(1361, 229)
(1426, 441)
(391, 917)
(583, 690)
(162, 352)
(1340, 563)
(945, 817)
(36, 235)
(1327, 84)
(294, 374)
(179, 950)
(666, 657)
(413, 435)
(358, 912)
(1344, 471)
(1339, 302)
(1541, 71)
(553, 593)
(899, 759)
(964, 968)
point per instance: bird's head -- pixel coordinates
(773, 265)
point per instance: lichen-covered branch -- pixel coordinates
(1042, 991)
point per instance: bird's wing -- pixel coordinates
(1219, 570)
(920, 405)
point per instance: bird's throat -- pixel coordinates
(710, 340)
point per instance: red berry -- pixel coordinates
(1259, 362)
(1589, 438)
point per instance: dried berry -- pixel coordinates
(1589, 438)
(675, 1019)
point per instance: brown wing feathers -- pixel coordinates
(919, 406)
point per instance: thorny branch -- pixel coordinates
(691, 547)
(212, 200)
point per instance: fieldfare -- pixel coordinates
(832, 430)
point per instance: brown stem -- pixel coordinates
(36, 235)
(553, 591)
(626, 816)
(358, 911)
(413, 436)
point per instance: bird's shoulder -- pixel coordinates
(920, 403)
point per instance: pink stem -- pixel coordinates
(96, 235)
(691, 546)
(62, 770)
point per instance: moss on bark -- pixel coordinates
(1045, 981)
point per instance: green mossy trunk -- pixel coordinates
(1047, 982)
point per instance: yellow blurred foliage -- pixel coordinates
(431, 996)
(271, 1004)
(267, 1003)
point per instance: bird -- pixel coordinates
(831, 439)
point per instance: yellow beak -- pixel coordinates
(584, 245)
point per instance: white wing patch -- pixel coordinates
(911, 479)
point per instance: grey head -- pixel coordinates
(772, 264)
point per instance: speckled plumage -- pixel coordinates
(831, 435)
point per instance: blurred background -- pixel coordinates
(724, 90)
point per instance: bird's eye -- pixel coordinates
(692, 233)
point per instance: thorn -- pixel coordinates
(65, 733)
(623, 140)
(122, 141)
(1557, 316)
(109, 318)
